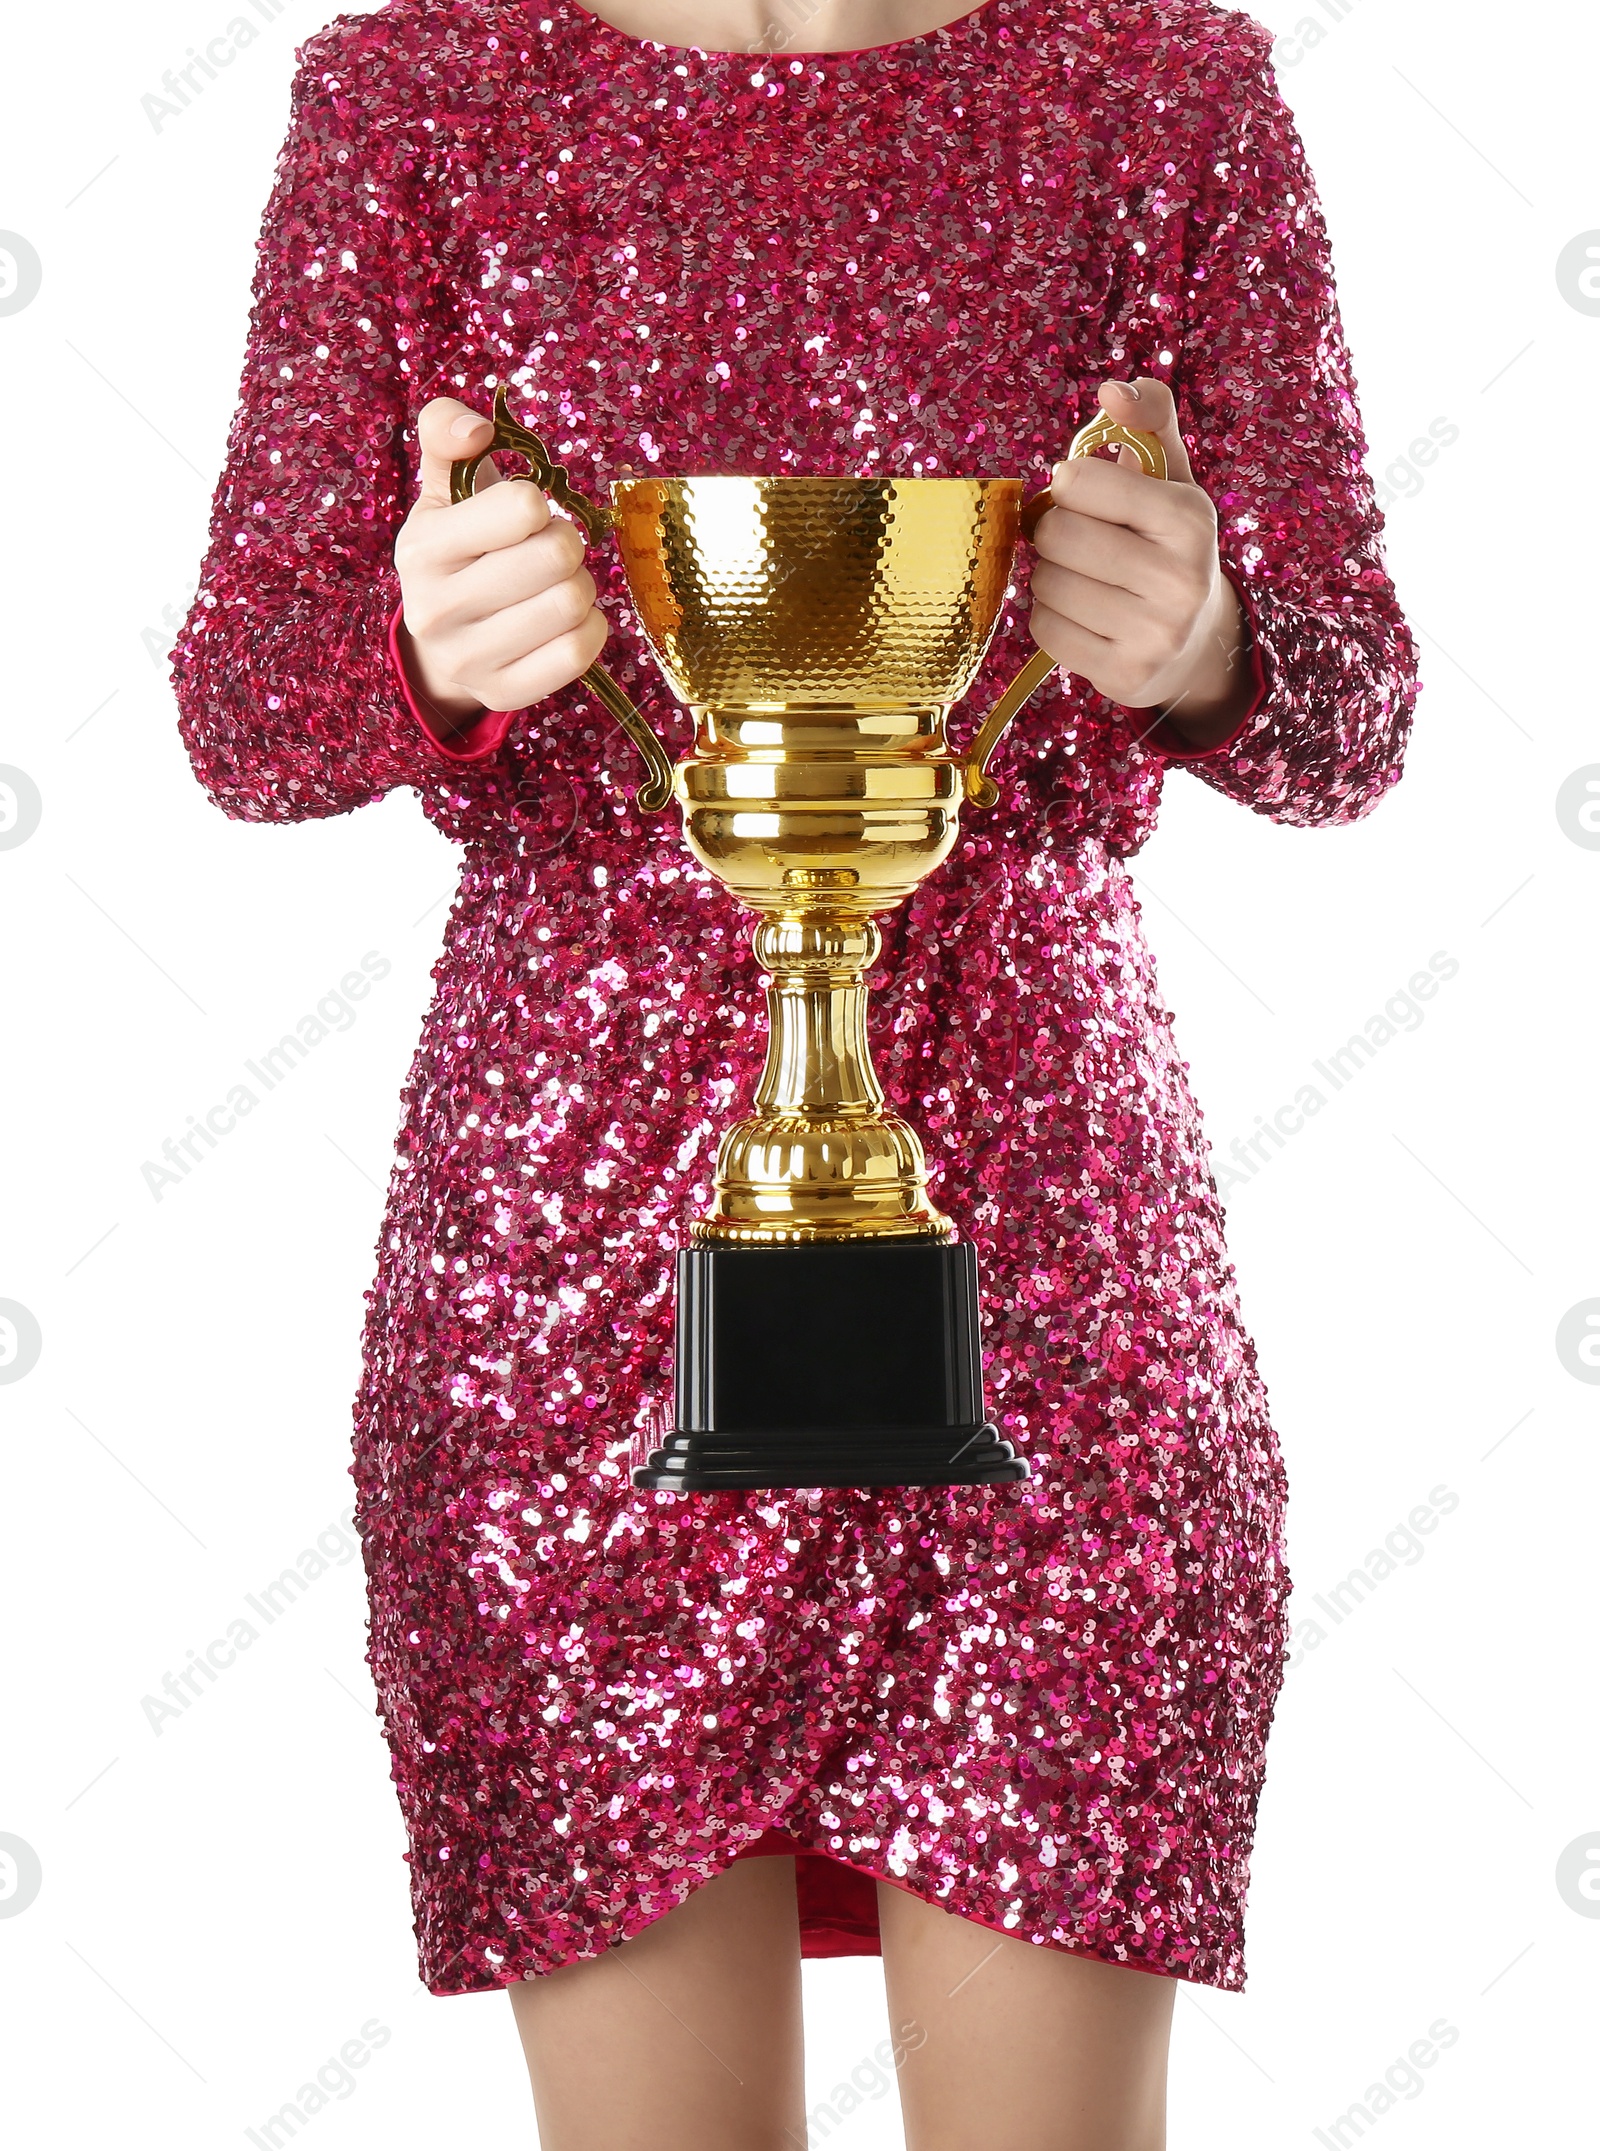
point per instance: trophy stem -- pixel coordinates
(818, 1060)
(820, 1158)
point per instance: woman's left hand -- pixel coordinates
(1128, 590)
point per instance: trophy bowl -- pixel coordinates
(820, 630)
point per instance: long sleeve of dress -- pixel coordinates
(1266, 402)
(290, 703)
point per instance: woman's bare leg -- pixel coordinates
(686, 2038)
(1016, 2048)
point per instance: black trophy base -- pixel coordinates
(829, 1364)
(874, 1456)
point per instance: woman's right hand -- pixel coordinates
(498, 607)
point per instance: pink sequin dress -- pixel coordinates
(1041, 1706)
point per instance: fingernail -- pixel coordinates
(1129, 388)
(465, 424)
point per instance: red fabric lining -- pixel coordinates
(481, 738)
(838, 1905)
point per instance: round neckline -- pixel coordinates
(584, 19)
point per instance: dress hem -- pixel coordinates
(829, 1927)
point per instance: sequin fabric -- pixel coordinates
(1043, 1707)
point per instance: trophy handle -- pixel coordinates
(596, 520)
(1102, 431)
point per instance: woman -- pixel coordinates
(649, 1746)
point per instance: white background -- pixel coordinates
(223, 1906)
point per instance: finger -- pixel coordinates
(1088, 657)
(1093, 486)
(519, 630)
(1109, 551)
(1147, 406)
(1102, 608)
(447, 431)
(1079, 649)
(554, 664)
(511, 574)
(446, 539)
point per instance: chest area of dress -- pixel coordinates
(902, 280)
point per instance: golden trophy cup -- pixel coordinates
(820, 631)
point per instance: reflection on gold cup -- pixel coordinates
(820, 630)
